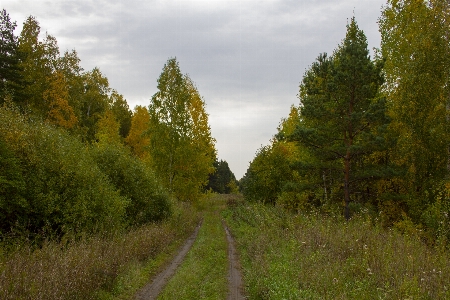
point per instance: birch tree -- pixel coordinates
(182, 149)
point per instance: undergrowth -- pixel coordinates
(312, 256)
(79, 270)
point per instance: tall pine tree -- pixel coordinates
(10, 75)
(340, 111)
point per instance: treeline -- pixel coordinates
(222, 181)
(369, 134)
(75, 159)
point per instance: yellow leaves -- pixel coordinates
(108, 129)
(233, 187)
(182, 149)
(138, 138)
(60, 112)
(288, 125)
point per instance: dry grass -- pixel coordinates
(311, 256)
(78, 270)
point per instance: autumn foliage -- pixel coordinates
(370, 134)
(75, 160)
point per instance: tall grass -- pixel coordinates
(77, 270)
(311, 256)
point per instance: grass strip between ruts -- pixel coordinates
(203, 274)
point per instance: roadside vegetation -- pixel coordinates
(311, 255)
(351, 199)
(370, 134)
(112, 266)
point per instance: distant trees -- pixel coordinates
(52, 87)
(222, 181)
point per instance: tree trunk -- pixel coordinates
(347, 185)
(325, 186)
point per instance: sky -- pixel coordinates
(246, 58)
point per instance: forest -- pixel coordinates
(95, 197)
(76, 160)
(369, 135)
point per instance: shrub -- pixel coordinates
(12, 186)
(64, 190)
(135, 181)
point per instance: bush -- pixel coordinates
(64, 190)
(12, 186)
(135, 181)
(79, 270)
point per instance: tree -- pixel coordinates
(222, 179)
(94, 101)
(38, 61)
(415, 44)
(122, 113)
(107, 131)
(132, 177)
(340, 111)
(182, 149)
(56, 185)
(69, 66)
(10, 76)
(57, 96)
(202, 143)
(138, 139)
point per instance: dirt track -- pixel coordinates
(152, 290)
(235, 288)
(234, 274)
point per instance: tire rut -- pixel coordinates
(152, 289)
(235, 286)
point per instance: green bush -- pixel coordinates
(12, 186)
(64, 190)
(134, 180)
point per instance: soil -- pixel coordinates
(152, 289)
(235, 287)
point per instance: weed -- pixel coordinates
(91, 267)
(312, 256)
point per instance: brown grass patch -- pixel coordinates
(77, 270)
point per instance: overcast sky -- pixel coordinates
(246, 57)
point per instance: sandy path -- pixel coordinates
(152, 290)
(234, 274)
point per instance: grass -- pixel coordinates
(203, 274)
(112, 267)
(311, 256)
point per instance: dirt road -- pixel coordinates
(152, 290)
(235, 287)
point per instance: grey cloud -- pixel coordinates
(246, 57)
